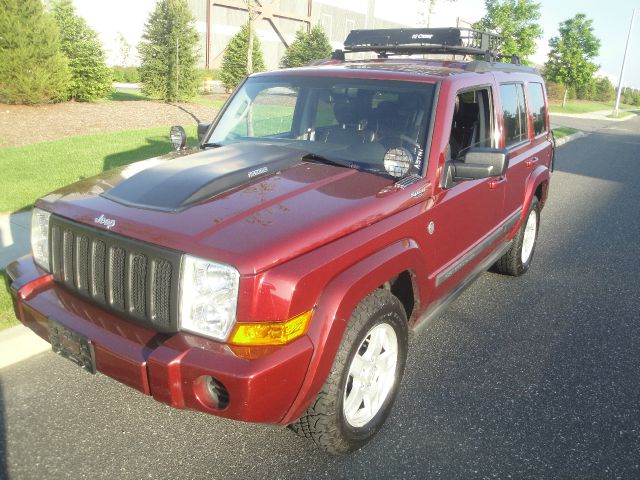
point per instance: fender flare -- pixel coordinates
(539, 176)
(336, 303)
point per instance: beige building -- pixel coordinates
(277, 22)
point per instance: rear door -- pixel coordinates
(516, 138)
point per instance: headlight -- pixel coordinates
(208, 297)
(40, 237)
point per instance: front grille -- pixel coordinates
(126, 276)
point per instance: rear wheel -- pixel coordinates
(362, 385)
(518, 258)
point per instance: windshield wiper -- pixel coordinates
(314, 157)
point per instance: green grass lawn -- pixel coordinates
(563, 132)
(620, 115)
(586, 106)
(30, 171)
(126, 95)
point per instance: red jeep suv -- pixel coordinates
(272, 274)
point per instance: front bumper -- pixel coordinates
(168, 367)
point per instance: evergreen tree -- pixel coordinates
(306, 48)
(168, 52)
(234, 61)
(516, 23)
(90, 76)
(32, 66)
(571, 53)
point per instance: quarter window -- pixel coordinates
(514, 114)
(538, 112)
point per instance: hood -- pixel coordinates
(176, 185)
(252, 221)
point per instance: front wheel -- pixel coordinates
(518, 258)
(363, 383)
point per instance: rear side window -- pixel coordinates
(514, 113)
(536, 102)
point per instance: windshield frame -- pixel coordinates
(418, 167)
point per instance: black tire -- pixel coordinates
(325, 422)
(511, 263)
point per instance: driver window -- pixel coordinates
(471, 125)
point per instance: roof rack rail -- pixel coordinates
(412, 41)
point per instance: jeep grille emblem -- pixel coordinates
(107, 222)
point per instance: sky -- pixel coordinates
(610, 21)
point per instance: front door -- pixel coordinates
(467, 216)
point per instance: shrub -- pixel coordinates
(90, 76)
(33, 68)
(234, 61)
(306, 48)
(125, 74)
(168, 52)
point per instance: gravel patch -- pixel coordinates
(23, 125)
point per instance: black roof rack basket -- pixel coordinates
(411, 41)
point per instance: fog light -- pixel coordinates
(211, 392)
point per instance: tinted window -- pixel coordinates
(514, 113)
(472, 122)
(536, 102)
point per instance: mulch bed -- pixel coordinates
(22, 125)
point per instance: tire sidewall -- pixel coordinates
(391, 316)
(523, 267)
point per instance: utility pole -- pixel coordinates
(177, 67)
(250, 46)
(624, 61)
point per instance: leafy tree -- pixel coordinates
(426, 16)
(90, 76)
(307, 47)
(605, 91)
(234, 61)
(571, 53)
(124, 50)
(33, 69)
(516, 23)
(168, 52)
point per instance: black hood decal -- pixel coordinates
(180, 183)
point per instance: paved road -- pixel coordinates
(536, 377)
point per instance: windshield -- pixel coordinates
(374, 125)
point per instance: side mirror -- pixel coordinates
(202, 130)
(481, 163)
(178, 137)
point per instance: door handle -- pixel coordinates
(532, 162)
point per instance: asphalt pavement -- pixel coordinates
(535, 377)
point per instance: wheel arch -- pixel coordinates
(338, 300)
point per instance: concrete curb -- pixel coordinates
(569, 138)
(18, 344)
(601, 115)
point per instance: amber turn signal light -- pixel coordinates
(270, 333)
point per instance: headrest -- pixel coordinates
(348, 111)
